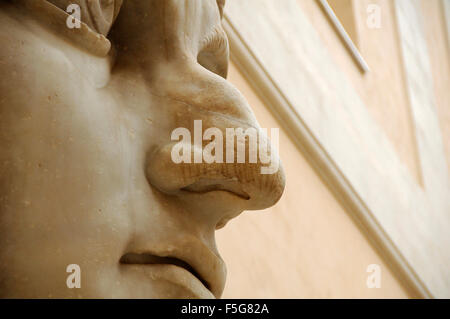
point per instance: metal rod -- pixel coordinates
(344, 36)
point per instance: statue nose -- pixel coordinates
(229, 179)
(220, 191)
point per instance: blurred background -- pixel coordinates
(360, 90)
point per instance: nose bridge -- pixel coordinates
(202, 89)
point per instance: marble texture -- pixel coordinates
(86, 175)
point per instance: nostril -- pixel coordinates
(204, 185)
(200, 184)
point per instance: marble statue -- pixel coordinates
(87, 183)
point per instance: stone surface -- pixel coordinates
(86, 176)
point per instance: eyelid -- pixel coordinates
(216, 41)
(214, 52)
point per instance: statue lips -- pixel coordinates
(189, 264)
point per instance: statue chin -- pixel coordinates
(91, 202)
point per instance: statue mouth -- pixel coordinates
(188, 263)
(149, 259)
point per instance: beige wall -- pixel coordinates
(383, 89)
(304, 247)
(375, 137)
(437, 40)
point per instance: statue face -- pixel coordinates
(86, 175)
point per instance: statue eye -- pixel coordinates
(214, 53)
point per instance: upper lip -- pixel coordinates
(190, 254)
